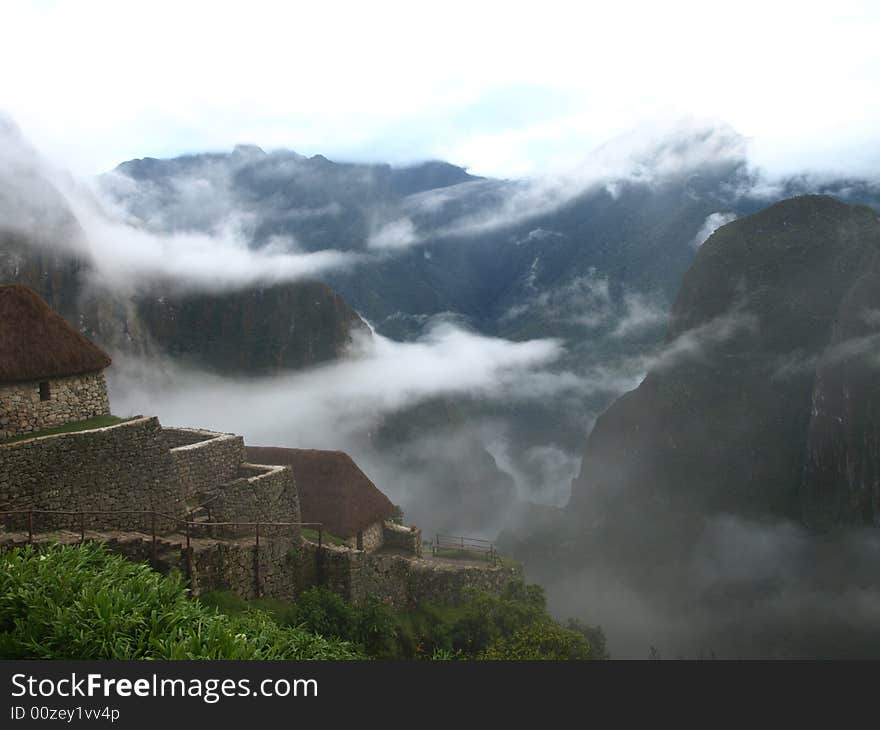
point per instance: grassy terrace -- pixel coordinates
(89, 423)
(450, 554)
(326, 538)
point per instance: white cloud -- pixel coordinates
(587, 301)
(640, 314)
(713, 222)
(650, 154)
(395, 235)
(328, 407)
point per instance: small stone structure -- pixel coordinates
(259, 493)
(204, 459)
(335, 492)
(37, 405)
(50, 374)
(407, 540)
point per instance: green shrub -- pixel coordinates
(545, 640)
(512, 625)
(487, 617)
(371, 625)
(593, 634)
(82, 602)
(323, 612)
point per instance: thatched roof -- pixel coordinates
(332, 489)
(37, 343)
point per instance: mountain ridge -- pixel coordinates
(722, 423)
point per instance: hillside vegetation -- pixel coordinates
(82, 602)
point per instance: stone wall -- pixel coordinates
(259, 494)
(397, 580)
(175, 437)
(231, 566)
(74, 398)
(403, 581)
(405, 539)
(205, 460)
(122, 467)
(370, 539)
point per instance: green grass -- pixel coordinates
(452, 554)
(505, 562)
(234, 605)
(82, 602)
(89, 423)
(326, 538)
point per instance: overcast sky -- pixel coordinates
(505, 88)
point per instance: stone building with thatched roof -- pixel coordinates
(335, 492)
(50, 374)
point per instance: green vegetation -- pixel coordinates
(326, 538)
(514, 625)
(89, 423)
(82, 602)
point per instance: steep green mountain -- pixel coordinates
(723, 420)
(841, 484)
(254, 331)
(728, 505)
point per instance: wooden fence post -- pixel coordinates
(153, 532)
(257, 561)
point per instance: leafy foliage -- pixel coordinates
(514, 625)
(539, 641)
(82, 602)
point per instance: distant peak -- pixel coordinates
(249, 150)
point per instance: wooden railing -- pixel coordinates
(463, 547)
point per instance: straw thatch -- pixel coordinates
(36, 343)
(332, 488)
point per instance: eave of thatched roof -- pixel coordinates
(37, 343)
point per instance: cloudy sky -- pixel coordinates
(506, 88)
